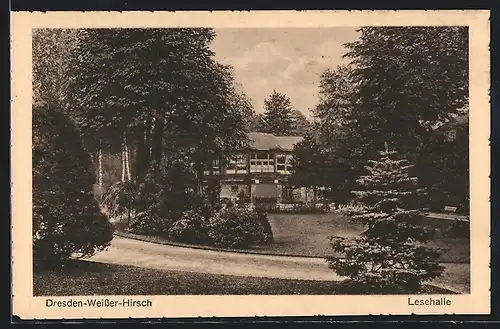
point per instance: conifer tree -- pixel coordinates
(390, 255)
(278, 116)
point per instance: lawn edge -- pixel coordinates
(448, 289)
(163, 241)
(166, 242)
(184, 245)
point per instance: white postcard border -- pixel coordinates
(28, 307)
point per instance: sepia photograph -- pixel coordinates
(252, 160)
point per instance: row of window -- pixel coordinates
(259, 162)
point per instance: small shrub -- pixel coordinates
(237, 227)
(190, 228)
(352, 208)
(268, 232)
(118, 200)
(265, 200)
(147, 223)
(242, 198)
(227, 203)
(266, 207)
(297, 208)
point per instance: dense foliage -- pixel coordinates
(161, 90)
(400, 83)
(390, 255)
(238, 227)
(66, 217)
(279, 116)
(315, 165)
(230, 226)
(52, 50)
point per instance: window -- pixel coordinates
(284, 163)
(234, 188)
(216, 168)
(211, 168)
(263, 155)
(262, 161)
(237, 165)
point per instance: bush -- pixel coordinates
(190, 228)
(237, 227)
(267, 207)
(460, 228)
(264, 222)
(351, 208)
(243, 198)
(150, 224)
(297, 208)
(265, 200)
(166, 191)
(119, 199)
(311, 208)
(66, 217)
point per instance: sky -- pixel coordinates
(288, 60)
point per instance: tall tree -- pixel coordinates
(337, 98)
(324, 158)
(160, 88)
(399, 85)
(391, 255)
(408, 80)
(278, 115)
(443, 167)
(51, 53)
(316, 163)
(244, 105)
(257, 123)
(302, 125)
(308, 163)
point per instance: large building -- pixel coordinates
(259, 173)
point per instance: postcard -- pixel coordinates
(259, 163)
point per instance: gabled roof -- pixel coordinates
(264, 141)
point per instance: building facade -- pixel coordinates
(260, 173)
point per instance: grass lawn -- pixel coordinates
(82, 278)
(307, 235)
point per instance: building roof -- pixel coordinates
(264, 141)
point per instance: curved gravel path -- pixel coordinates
(126, 251)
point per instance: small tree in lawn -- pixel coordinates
(390, 255)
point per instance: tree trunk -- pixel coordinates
(127, 166)
(142, 153)
(99, 165)
(200, 173)
(157, 139)
(123, 161)
(129, 215)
